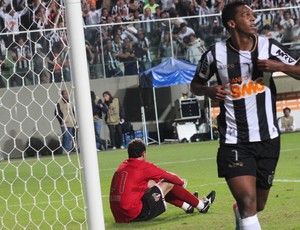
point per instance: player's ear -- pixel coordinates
(231, 24)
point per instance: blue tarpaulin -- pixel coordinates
(170, 72)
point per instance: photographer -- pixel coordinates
(114, 119)
(98, 110)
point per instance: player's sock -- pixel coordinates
(250, 223)
(200, 205)
(185, 206)
(170, 198)
(182, 194)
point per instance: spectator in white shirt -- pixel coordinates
(195, 49)
(287, 122)
(92, 16)
(12, 19)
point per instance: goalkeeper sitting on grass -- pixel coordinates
(139, 189)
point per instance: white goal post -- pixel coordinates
(40, 188)
(84, 111)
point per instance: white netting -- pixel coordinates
(42, 189)
(39, 187)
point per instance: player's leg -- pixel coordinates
(189, 209)
(261, 198)
(182, 198)
(243, 189)
(269, 152)
(237, 163)
(246, 218)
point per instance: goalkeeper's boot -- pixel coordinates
(208, 200)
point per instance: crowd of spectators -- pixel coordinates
(125, 38)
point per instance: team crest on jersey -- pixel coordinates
(229, 66)
(282, 55)
(156, 196)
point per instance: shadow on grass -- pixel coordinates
(164, 221)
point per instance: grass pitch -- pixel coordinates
(197, 163)
(41, 188)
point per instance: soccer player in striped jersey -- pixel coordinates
(249, 134)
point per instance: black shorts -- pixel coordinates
(257, 159)
(153, 204)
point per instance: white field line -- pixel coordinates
(192, 160)
(106, 196)
(169, 163)
(184, 162)
(287, 181)
(289, 150)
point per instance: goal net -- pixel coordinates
(40, 179)
(40, 166)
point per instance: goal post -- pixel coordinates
(41, 188)
(84, 114)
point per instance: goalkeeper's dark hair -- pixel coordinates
(229, 12)
(136, 147)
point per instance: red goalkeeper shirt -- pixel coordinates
(129, 184)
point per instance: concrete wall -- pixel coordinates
(29, 111)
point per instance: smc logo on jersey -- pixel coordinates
(247, 88)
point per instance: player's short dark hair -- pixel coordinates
(135, 148)
(286, 108)
(229, 12)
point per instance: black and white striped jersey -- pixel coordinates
(22, 56)
(248, 114)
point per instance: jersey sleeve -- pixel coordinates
(172, 178)
(153, 172)
(205, 69)
(281, 53)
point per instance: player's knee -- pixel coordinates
(151, 183)
(247, 206)
(170, 186)
(165, 187)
